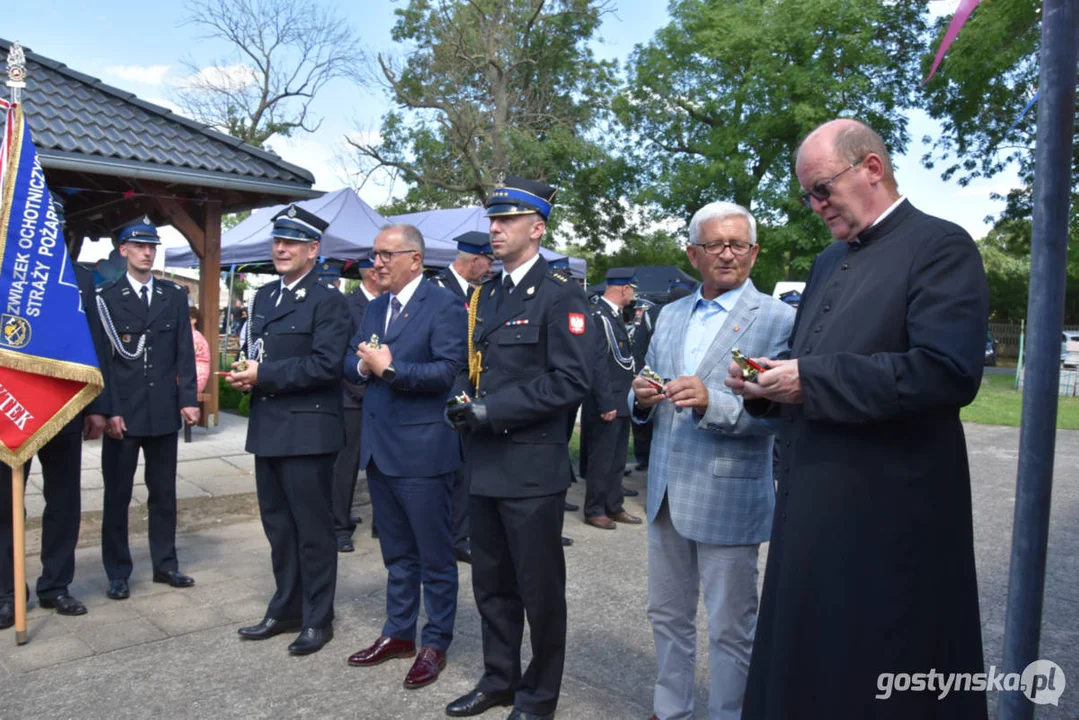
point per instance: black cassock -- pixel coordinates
(871, 563)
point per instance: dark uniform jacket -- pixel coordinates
(611, 393)
(537, 356)
(357, 308)
(149, 391)
(447, 280)
(99, 405)
(296, 406)
(871, 562)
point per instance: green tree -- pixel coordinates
(490, 87)
(1006, 255)
(718, 101)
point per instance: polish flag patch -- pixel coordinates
(576, 323)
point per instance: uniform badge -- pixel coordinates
(576, 323)
(292, 212)
(125, 338)
(531, 291)
(301, 294)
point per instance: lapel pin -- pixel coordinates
(301, 293)
(736, 328)
(531, 291)
(406, 316)
(493, 291)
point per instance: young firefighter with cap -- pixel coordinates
(152, 369)
(295, 345)
(472, 265)
(531, 351)
(606, 417)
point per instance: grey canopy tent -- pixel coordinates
(353, 225)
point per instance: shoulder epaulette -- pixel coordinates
(168, 284)
(107, 285)
(558, 275)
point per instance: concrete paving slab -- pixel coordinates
(125, 634)
(46, 653)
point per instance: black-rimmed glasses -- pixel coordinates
(386, 256)
(738, 247)
(821, 191)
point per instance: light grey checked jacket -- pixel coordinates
(716, 470)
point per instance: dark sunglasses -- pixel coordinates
(821, 191)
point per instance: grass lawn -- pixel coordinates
(999, 404)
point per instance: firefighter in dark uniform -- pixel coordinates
(297, 335)
(561, 265)
(153, 389)
(61, 469)
(605, 416)
(471, 267)
(529, 366)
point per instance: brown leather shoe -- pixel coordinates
(600, 521)
(625, 517)
(385, 648)
(425, 670)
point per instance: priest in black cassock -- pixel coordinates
(871, 564)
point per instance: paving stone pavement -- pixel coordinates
(175, 653)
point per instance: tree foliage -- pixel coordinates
(489, 87)
(718, 101)
(1006, 255)
(282, 53)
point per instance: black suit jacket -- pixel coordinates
(149, 391)
(296, 406)
(537, 365)
(357, 309)
(446, 279)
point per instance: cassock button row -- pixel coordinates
(845, 266)
(817, 329)
(827, 308)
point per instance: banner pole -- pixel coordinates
(18, 529)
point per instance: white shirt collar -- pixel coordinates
(460, 280)
(137, 286)
(368, 293)
(617, 310)
(292, 285)
(890, 210)
(519, 274)
(407, 291)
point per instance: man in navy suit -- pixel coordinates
(410, 455)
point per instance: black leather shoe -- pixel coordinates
(627, 492)
(268, 628)
(344, 544)
(570, 507)
(175, 578)
(311, 640)
(7, 614)
(478, 702)
(566, 542)
(118, 590)
(464, 556)
(64, 605)
(522, 715)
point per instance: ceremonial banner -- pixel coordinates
(48, 367)
(962, 13)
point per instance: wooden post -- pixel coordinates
(18, 529)
(209, 298)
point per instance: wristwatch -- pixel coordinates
(389, 374)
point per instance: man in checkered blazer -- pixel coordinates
(710, 491)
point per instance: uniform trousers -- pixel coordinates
(608, 443)
(677, 569)
(416, 536)
(519, 571)
(61, 467)
(294, 494)
(119, 460)
(346, 470)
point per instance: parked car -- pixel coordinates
(990, 350)
(1069, 348)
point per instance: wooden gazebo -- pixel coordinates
(114, 157)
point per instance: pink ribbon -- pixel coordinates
(966, 7)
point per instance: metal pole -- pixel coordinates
(1019, 365)
(228, 314)
(1048, 263)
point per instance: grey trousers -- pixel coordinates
(677, 569)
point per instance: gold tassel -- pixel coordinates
(475, 358)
